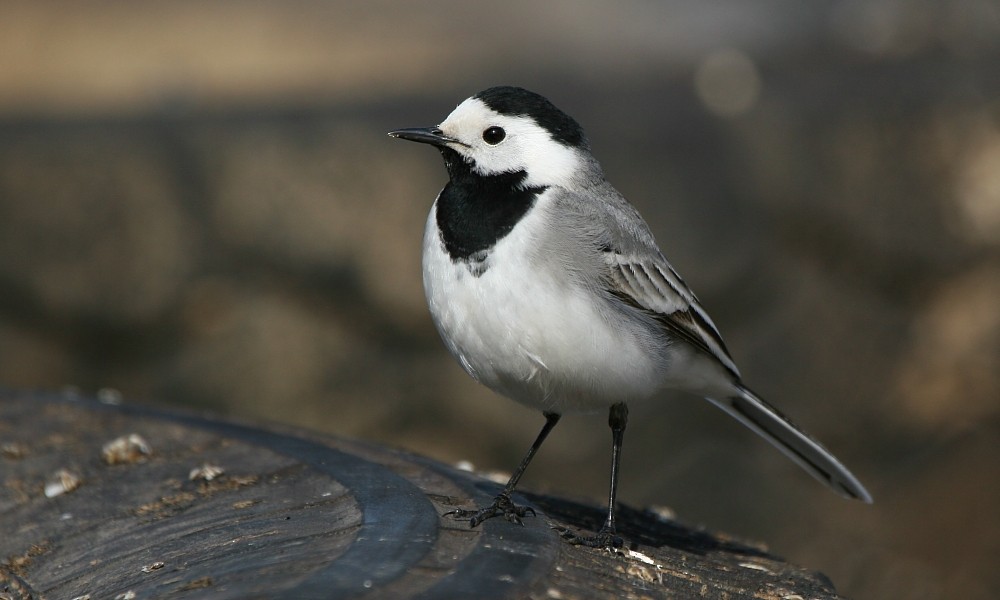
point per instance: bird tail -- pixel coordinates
(764, 419)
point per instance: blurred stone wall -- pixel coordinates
(199, 206)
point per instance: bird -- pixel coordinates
(548, 287)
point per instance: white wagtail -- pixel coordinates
(547, 286)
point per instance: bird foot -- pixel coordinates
(502, 505)
(605, 538)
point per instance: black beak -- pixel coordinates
(424, 135)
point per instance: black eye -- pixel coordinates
(494, 135)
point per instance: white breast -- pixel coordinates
(534, 334)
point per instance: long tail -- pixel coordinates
(793, 442)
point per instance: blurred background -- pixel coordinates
(199, 207)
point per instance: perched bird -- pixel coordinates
(548, 288)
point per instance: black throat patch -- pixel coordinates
(475, 211)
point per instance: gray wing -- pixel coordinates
(640, 276)
(634, 271)
(651, 284)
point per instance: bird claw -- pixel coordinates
(605, 538)
(501, 505)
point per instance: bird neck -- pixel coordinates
(476, 211)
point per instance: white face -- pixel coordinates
(524, 146)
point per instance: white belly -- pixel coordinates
(533, 337)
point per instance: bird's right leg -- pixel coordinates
(502, 504)
(607, 537)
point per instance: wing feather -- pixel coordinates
(653, 287)
(632, 268)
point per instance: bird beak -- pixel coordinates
(424, 135)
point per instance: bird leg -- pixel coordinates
(502, 504)
(607, 537)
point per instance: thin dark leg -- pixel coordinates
(606, 537)
(617, 419)
(502, 504)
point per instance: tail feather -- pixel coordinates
(764, 419)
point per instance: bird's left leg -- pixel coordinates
(502, 504)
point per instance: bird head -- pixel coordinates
(509, 130)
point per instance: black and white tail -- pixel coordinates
(793, 442)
